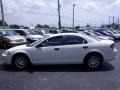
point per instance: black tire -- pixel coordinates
(5, 45)
(93, 61)
(20, 61)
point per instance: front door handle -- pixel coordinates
(85, 47)
(56, 49)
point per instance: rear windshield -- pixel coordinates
(30, 32)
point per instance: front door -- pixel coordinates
(49, 52)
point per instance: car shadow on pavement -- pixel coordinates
(59, 68)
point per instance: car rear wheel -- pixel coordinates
(93, 61)
(20, 62)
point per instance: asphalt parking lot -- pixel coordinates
(62, 77)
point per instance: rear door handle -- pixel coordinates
(85, 47)
(56, 49)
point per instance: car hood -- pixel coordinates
(107, 41)
(103, 37)
(16, 37)
(117, 35)
(35, 36)
(20, 47)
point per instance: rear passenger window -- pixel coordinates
(70, 40)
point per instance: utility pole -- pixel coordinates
(59, 17)
(118, 23)
(113, 22)
(2, 12)
(73, 16)
(109, 20)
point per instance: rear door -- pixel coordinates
(74, 49)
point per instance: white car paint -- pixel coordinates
(66, 54)
(34, 37)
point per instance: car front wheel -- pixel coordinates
(20, 61)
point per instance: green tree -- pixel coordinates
(39, 26)
(14, 26)
(77, 27)
(46, 26)
(26, 27)
(88, 25)
(1, 24)
(42, 26)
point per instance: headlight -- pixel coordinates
(34, 38)
(6, 53)
(31, 38)
(12, 41)
(111, 38)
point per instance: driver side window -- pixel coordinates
(54, 41)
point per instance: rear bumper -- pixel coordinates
(111, 56)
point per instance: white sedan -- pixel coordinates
(67, 48)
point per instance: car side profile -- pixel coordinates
(66, 48)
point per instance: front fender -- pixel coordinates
(23, 52)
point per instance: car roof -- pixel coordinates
(64, 34)
(6, 30)
(21, 29)
(88, 38)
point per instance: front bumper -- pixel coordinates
(6, 59)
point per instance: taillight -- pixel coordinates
(112, 45)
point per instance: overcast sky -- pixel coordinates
(26, 12)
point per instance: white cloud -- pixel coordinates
(114, 5)
(11, 6)
(90, 6)
(23, 5)
(46, 10)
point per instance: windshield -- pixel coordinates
(91, 36)
(34, 43)
(98, 34)
(110, 32)
(45, 31)
(8, 33)
(30, 32)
